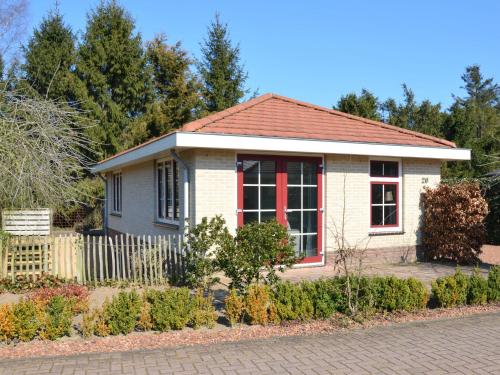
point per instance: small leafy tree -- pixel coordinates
(202, 243)
(453, 226)
(257, 252)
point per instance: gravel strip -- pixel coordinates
(188, 337)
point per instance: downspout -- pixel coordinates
(185, 170)
(105, 219)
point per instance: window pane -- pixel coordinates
(377, 193)
(160, 193)
(376, 168)
(293, 197)
(391, 169)
(309, 173)
(310, 222)
(250, 172)
(267, 172)
(267, 197)
(389, 193)
(293, 221)
(176, 189)
(168, 190)
(377, 215)
(390, 215)
(248, 217)
(250, 197)
(310, 245)
(298, 242)
(294, 173)
(310, 197)
(267, 215)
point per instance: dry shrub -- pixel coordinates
(453, 225)
(7, 330)
(234, 307)
(257, 302)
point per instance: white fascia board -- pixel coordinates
(252, 143)
(141, 153)
(275, 144)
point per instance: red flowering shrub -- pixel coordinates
(453, 225)
(79, 294)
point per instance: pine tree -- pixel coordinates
(366, 105)
(50, 56)
(111, 64)
(175, 92)
(222, 75)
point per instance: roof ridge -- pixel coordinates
(365, 120)
(204, 121)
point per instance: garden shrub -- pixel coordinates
(58, 315)
(257, 249)
(363, 295)
(26, 320)
(453, 225)
(87, 327)
(450, 290)
(292, 302)
(325, 295)
(477, 289)
(123, 312)
(257, 302)
(203, 311)
(26, 283)
(494, 284)
(234, 306)
(202, 244)
(101, 320)
(7, 329)
(170, 309)
(419, 294)
(390, 293)
(145, 322)
(79, 295)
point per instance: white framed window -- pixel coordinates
(167, 191)
(385, 195)
(117, 192)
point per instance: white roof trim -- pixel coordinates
(254, 143)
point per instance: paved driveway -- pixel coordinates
(459, 346)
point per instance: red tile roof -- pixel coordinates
(272, 115)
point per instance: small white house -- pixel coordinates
(320, 172)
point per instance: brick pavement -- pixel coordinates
(468, 345)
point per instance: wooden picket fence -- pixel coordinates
(147, 260)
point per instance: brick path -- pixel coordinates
(459, 346)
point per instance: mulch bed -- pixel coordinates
(188, 337)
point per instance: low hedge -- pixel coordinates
(169, 309)
(29, 319)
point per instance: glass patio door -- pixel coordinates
(285, 188)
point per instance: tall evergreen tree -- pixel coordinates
(475, 123)
(112, 65)
(50, 56)
(175, 92)
(365, 105)
(222, 75)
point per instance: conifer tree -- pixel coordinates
(365, 105)
(50, 56)
(222, 75)
(111, 64)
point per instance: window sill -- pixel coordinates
(117, 214)
(386, 233)
(163, 224)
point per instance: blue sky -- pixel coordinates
(317, 51)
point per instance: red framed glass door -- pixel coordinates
(288, 189)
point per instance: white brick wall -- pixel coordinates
(213, 192)
(357, 200)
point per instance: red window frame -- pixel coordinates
(282, 194)
(396, 200)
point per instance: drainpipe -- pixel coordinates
(105, 219)
(185, 170)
